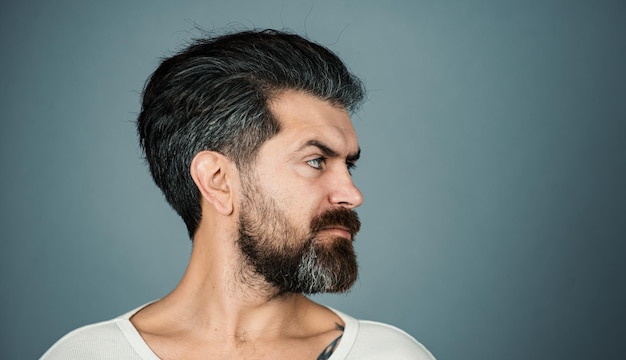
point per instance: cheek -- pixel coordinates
(300, 207)
(298, 197)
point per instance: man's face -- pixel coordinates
(296, 223)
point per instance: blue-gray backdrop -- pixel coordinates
(494, 167)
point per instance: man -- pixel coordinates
(249, 137)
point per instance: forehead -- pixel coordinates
(304, 117)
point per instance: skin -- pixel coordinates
(220, 309)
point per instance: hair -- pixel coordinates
(215, 94)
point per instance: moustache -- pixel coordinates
(340, 217)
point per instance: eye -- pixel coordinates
(351, 166)
(316, 163)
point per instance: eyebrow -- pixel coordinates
(328, 152)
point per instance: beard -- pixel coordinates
(291, 259)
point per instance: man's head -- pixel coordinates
(216, 95)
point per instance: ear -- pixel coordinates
(211, 173)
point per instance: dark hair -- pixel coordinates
(214, 94)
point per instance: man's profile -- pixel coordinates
(249, 137)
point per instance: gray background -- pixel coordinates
(493, 168)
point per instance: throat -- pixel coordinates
(241, 338)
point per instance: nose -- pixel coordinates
(344, 193)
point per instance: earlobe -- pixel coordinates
(210, 172)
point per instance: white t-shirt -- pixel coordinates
(118, 339)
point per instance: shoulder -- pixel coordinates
(364, 339)
(90, 342)
(379, 340)
(112, 339)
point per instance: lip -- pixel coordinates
(338, 231)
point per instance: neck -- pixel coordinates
(219, 293)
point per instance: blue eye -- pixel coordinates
(316, 163)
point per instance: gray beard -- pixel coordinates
(289, 259)
(310, 268)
